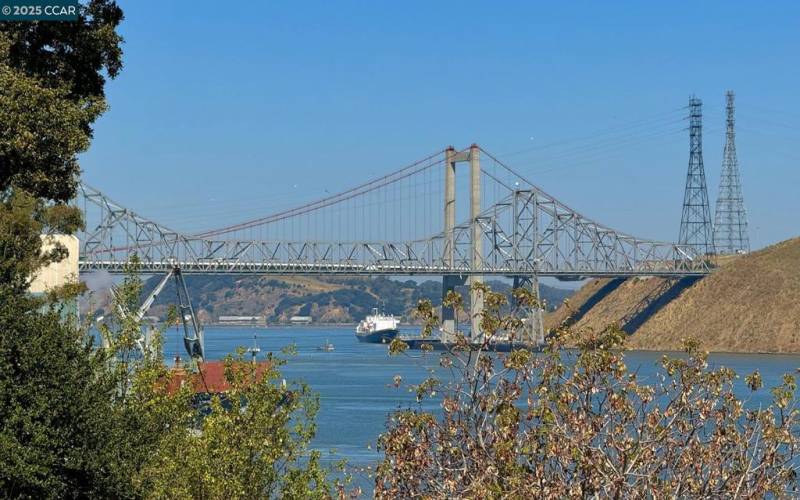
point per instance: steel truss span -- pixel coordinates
(524, 232)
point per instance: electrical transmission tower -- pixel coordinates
(730, 222)
(696, 227)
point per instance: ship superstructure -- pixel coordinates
(377, 328)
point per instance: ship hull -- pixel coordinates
(378, 337)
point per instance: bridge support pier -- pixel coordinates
(449, 327)
(476, 297)
(449, 283)
(533, 322)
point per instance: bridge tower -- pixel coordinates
(730, 222)
(696, 225)
(451, 281)
(476, 297)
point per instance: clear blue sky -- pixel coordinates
(225, 111)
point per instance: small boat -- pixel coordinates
(327, 347)
(377, 328)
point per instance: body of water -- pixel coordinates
(355, 381)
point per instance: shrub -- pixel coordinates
(578, 423)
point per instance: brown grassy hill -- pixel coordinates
(750, 304)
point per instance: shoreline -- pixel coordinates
(342, 326)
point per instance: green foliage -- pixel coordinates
(23, 219)
(51, 91)
(77, 54)
(42, 131)
(59, 436)
(249, 442)
(59, 427)
(252, 444)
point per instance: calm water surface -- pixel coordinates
(354, 382)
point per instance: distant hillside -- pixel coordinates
(330, 300)
(750, 304)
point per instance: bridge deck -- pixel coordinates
(278, 268)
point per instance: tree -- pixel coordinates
(51, 91)
(81, 420)
(57, 418)
(58, 433)
(253, 442)
(559, 424)
(250, 441)
(52, 77)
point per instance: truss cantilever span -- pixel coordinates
(523, 233)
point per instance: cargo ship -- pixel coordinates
(377, 328)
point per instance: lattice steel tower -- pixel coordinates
(696, 226)
(730, 221)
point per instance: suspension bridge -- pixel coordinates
(405, 223)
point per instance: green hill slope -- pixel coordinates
(329, 300)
